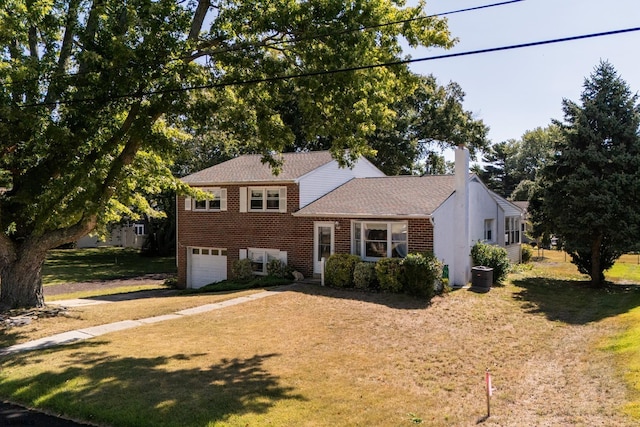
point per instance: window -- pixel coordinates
(217, 202)
(511, 230)
(488, 230)
(138, 229)
(271, 199)
(372, 240)
(260, 259)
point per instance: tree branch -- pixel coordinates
(198, 19)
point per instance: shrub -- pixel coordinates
(338, 270)
(422, 273)
(389, 274)
(277, 268)
(364, 275)
(494, 257)
(527, 253)
(241, 270)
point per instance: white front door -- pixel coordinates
(323, 243)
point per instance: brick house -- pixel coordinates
(314, 208)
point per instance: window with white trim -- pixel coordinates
(267, 199)
(511, 230)
(377, 239)
(488, 230)
(260, 258)
(138, 229)
(217, 202)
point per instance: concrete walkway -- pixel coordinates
(94, 331)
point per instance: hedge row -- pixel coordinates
(418, 274)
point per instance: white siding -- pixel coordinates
(323, 180)
(483, 206)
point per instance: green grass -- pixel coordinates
(230, 285)
(83, 265)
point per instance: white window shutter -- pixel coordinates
(243, 254)
(283, 199)
(243, 199)
(223, 199)
(187, 204)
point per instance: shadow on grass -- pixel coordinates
(398, 301)
(131, 391)
(573, 301)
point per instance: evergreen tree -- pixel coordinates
(589, 194)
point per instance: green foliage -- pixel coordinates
(422, 273)
(339, 270)
(129, 63)
(241, 270)
(389, 274)
(586, 193)
(527, 253)
(494, 257)
(364, 275)
(277, 268)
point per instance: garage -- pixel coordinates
(206, 265)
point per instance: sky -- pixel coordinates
(518, 90)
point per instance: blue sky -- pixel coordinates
(517, 90)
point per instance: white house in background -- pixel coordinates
(313, 209)
(126, 236)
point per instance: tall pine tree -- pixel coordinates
(591, 191)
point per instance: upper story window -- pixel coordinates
(217, 202)
(373, 240)
(263, 199)
(138, 229)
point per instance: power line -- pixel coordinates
(350, 69)
(281, 42)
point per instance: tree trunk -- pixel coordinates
(596, 270)
(21, 281)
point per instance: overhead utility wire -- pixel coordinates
(301, 39)
(358, 68)
(401, 62)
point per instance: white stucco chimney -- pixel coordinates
(461, 269)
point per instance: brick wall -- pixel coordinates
(234, 230)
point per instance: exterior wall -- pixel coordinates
(483, 207)
(234, 231)
(125, 237)
(329, 177)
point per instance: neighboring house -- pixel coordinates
(314, 208)
(126, 236)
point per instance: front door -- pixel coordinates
(323, 247)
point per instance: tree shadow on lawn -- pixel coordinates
(102, 388)
(574, 301)
(398, 301)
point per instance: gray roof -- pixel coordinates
(412, 196)
(249, 168)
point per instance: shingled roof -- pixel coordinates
(249, 168)
(393, 196)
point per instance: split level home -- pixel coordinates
(315, 208)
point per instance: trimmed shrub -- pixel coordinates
(241, 270)
(494, 257)
(389, 274)
(422, 275)
(527, 253)
(338, 270)
(364, 275)
(277, 268)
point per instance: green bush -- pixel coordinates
(364, 275)
(338, 270)
(527, 253)
(389, 274)
(277, 268)
(494, 257)
(241, 270)
(422, 273)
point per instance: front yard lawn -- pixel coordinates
(559, 352)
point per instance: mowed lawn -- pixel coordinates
(559, 352)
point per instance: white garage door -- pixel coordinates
(206, 265)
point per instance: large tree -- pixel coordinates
(94, 91)
(589, 194)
